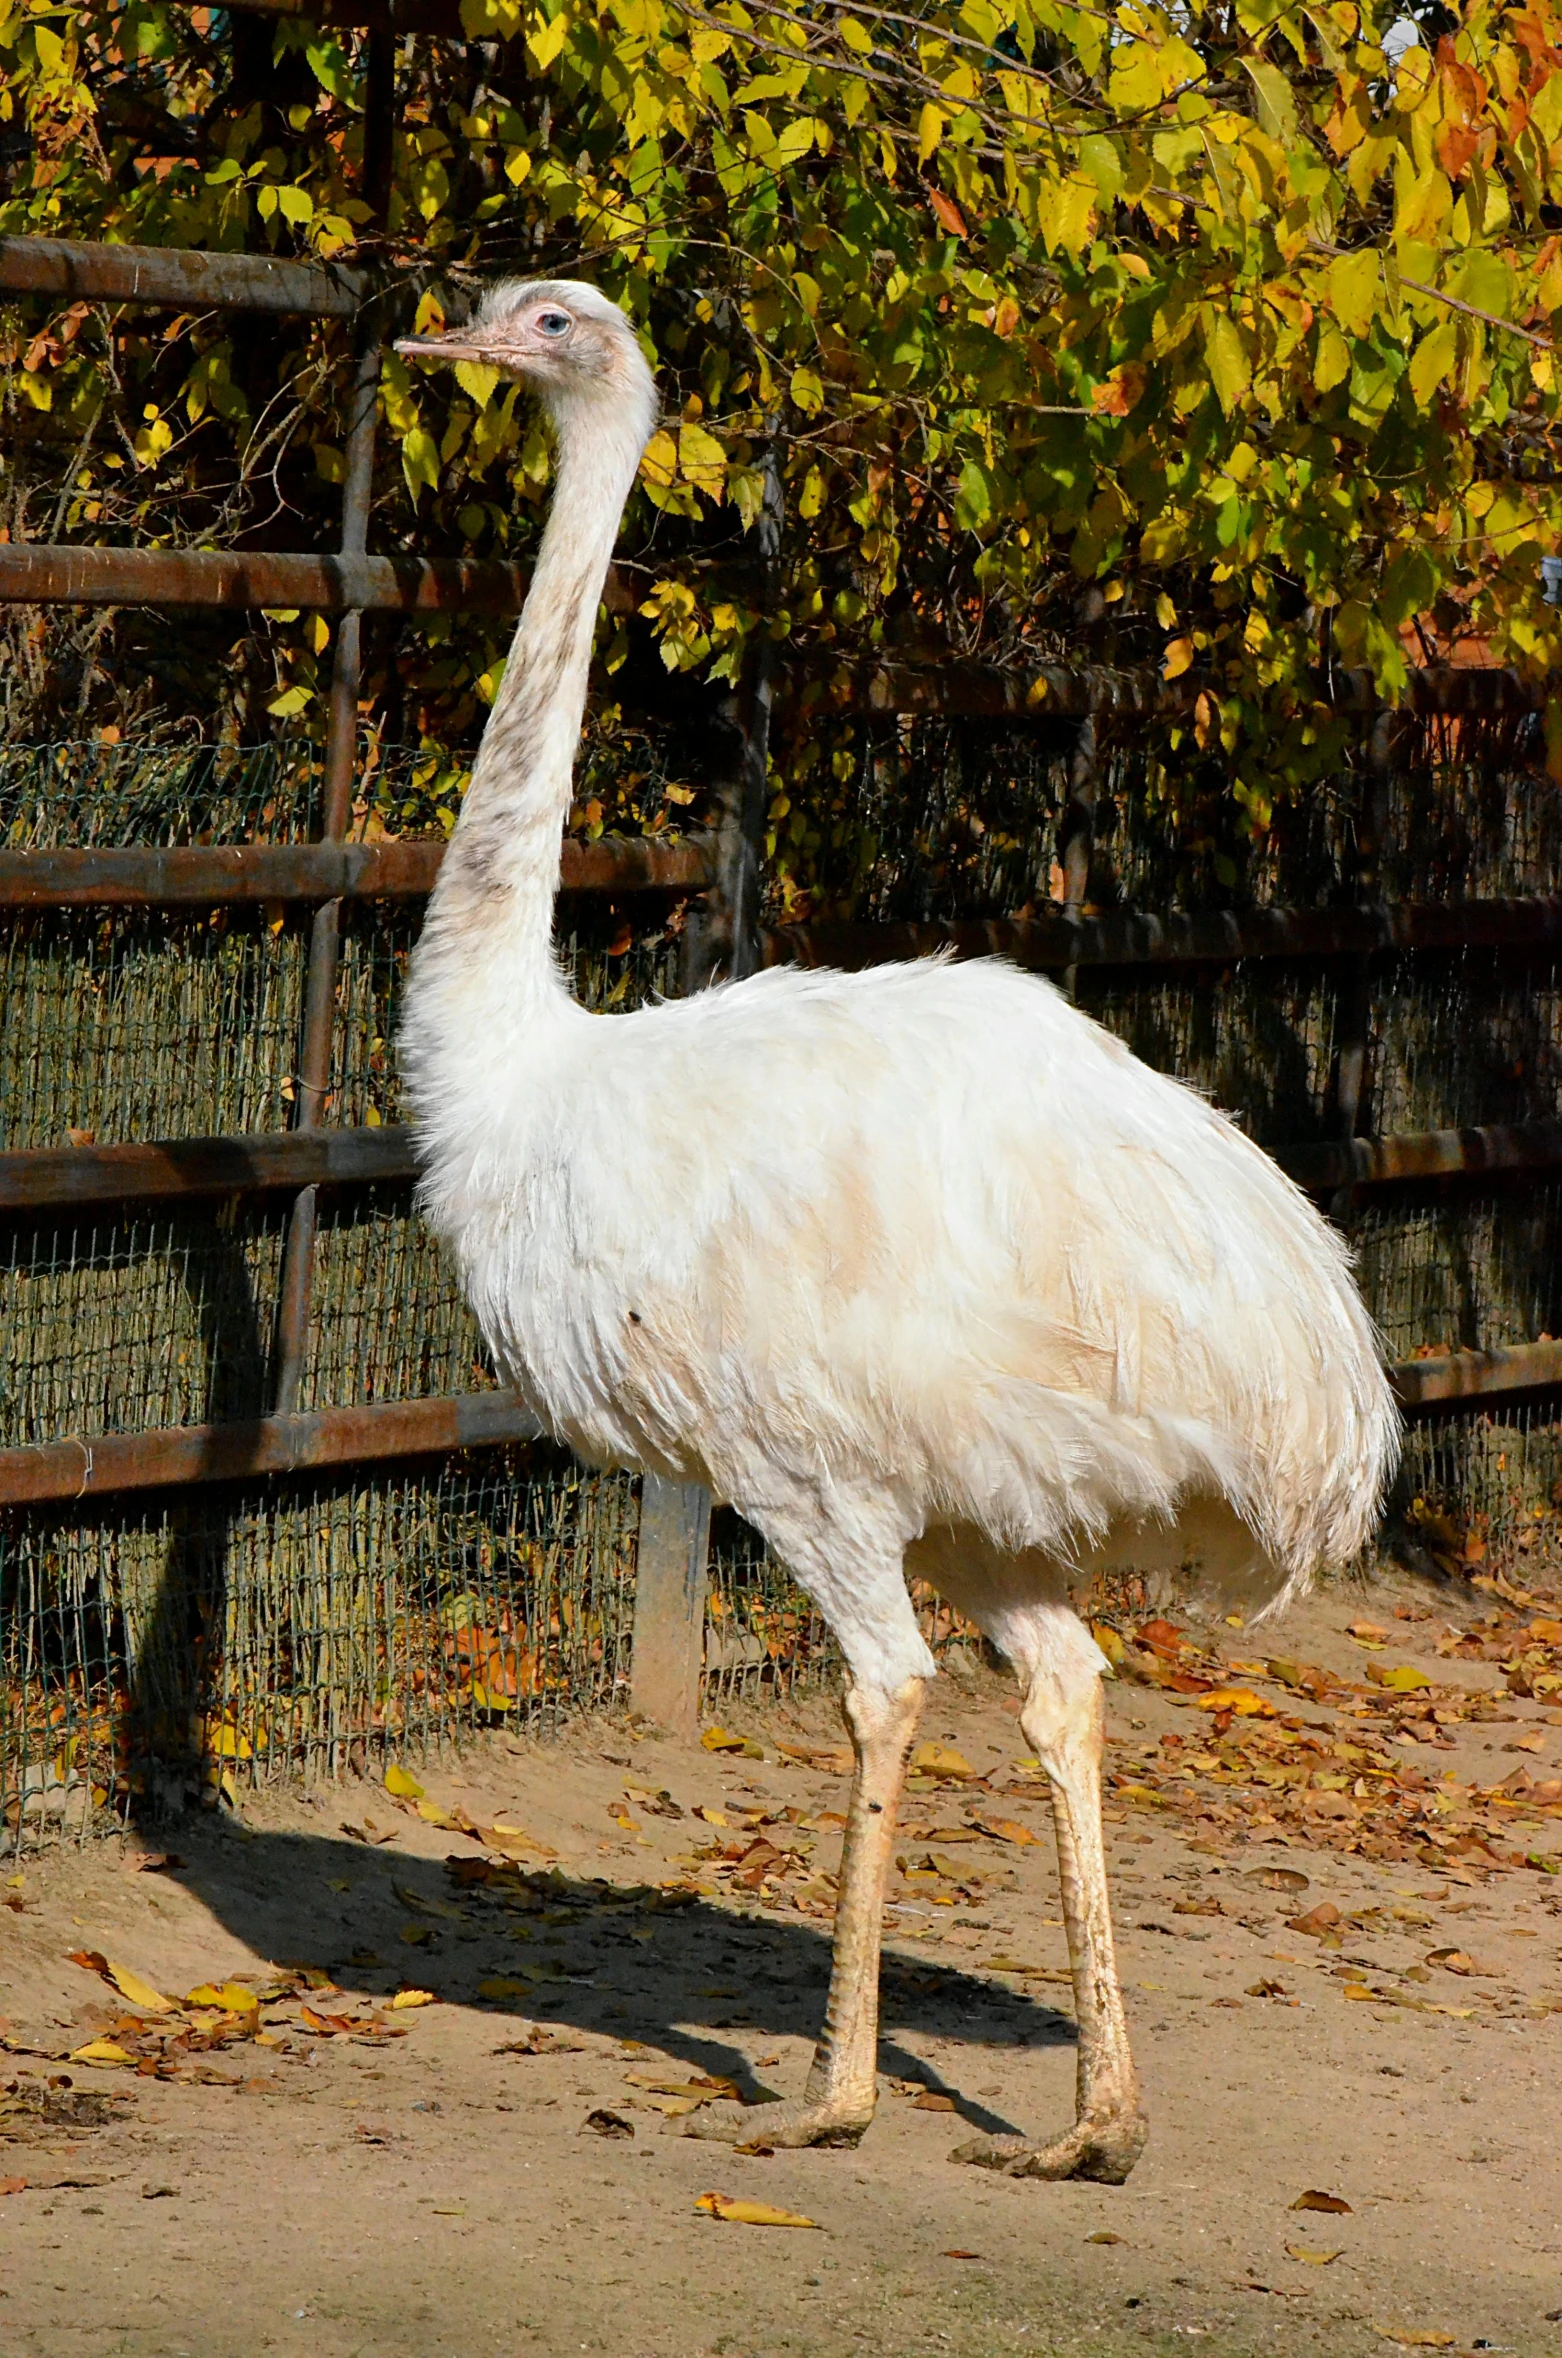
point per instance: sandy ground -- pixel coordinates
(349, 2194)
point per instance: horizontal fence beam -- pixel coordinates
(1098, 692)
(55, 574)
(36, 1178)
(108, 1463)
(111, 1462)
(1397, 1160)
(1129, 938)
(1453, 1377)
(180, 277)
(204, 876)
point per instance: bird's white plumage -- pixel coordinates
(922, 1250)
(916, 1265)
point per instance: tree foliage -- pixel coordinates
(1214, 336)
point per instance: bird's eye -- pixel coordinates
(554, 323)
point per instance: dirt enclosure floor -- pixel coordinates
(1341, 1943)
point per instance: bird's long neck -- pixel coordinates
(486, 954)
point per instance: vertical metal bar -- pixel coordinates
(313, 1082)
(1077, 832)
(725, 938)
(670, 1581)
(1353, 1014)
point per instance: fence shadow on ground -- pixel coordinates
(619, 1961)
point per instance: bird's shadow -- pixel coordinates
(632, 1962)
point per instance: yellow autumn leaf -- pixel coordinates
(231, 1996)
(401, 1785)
(101, 2051)
(722, 1740)
(219, 1739)
(750, 2214)
(1300, 2251)
(1241, 1702)
(1402, 1679)
(659, 461)
(433, 1815)
(412, 1998)
(938, 1760)
(139, 1992)
(1177, 659)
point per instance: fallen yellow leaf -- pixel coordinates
(139, 1992)
(404, 1786)
(412, 1998)
(1300, 2251)
(1007, 1830)
(231, 1996)
(751, 2214)
(433, 1815)
(100, 2051)
(1402, 1679)
(219, 1739)
(1241, 1702)
(938, 1760)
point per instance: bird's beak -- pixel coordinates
(456, 345)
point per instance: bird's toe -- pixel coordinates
(1103, 2151)
(773, 2127)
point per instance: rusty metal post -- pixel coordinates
(1077, 833)
(724, 938)
(312, 1085)
(1353, 1016)
(670, 1582)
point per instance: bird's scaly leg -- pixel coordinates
(838, 2101)
(1063, 1720)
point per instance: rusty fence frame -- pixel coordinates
(718, 871)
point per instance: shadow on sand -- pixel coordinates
(623, 1961)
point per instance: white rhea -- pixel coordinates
(918, 1268)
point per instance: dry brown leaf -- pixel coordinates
(603, 2123)
(933, 2100)
(750, 2214)
(1103, 2235)
(1324, 1918)
(1315, 2199)
(13, 2185)
(1417, 2337)
(1007, 1830)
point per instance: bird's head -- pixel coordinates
(567, 341)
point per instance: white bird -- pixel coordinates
(918, 1268)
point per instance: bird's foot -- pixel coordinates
(838, 2120)
(1104, 2150)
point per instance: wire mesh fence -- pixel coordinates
(152, 1649)
(158, 1644)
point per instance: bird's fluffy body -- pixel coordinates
(922, 1249)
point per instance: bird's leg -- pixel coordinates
(1063, 1720)
(838, 2101)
